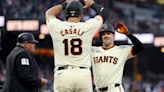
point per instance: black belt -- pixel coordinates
(66, 67)
(106, 88)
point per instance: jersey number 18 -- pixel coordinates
(75, 46)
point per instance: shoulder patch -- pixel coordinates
(25, 61)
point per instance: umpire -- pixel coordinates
(21, 67)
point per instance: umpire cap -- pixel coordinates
(73, 9)
(26, 38)
(107, 28)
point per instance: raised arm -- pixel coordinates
(55, 10)
(100, 10)
(137, 45)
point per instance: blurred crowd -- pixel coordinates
(146, 85)
(140, 18)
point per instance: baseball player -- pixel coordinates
(72, 41)
(108, 60)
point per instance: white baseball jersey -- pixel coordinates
(108, 65)
(72, 41)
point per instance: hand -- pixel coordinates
(88, 3)
(122, 28)
(44, 81)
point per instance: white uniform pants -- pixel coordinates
(73, 80)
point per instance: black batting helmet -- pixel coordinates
(107, 28)
(26, 38)
(74, 9)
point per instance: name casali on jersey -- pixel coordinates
(72, 31)
(72, 41)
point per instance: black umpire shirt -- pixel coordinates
(21, 72)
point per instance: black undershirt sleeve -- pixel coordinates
(137, 45)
